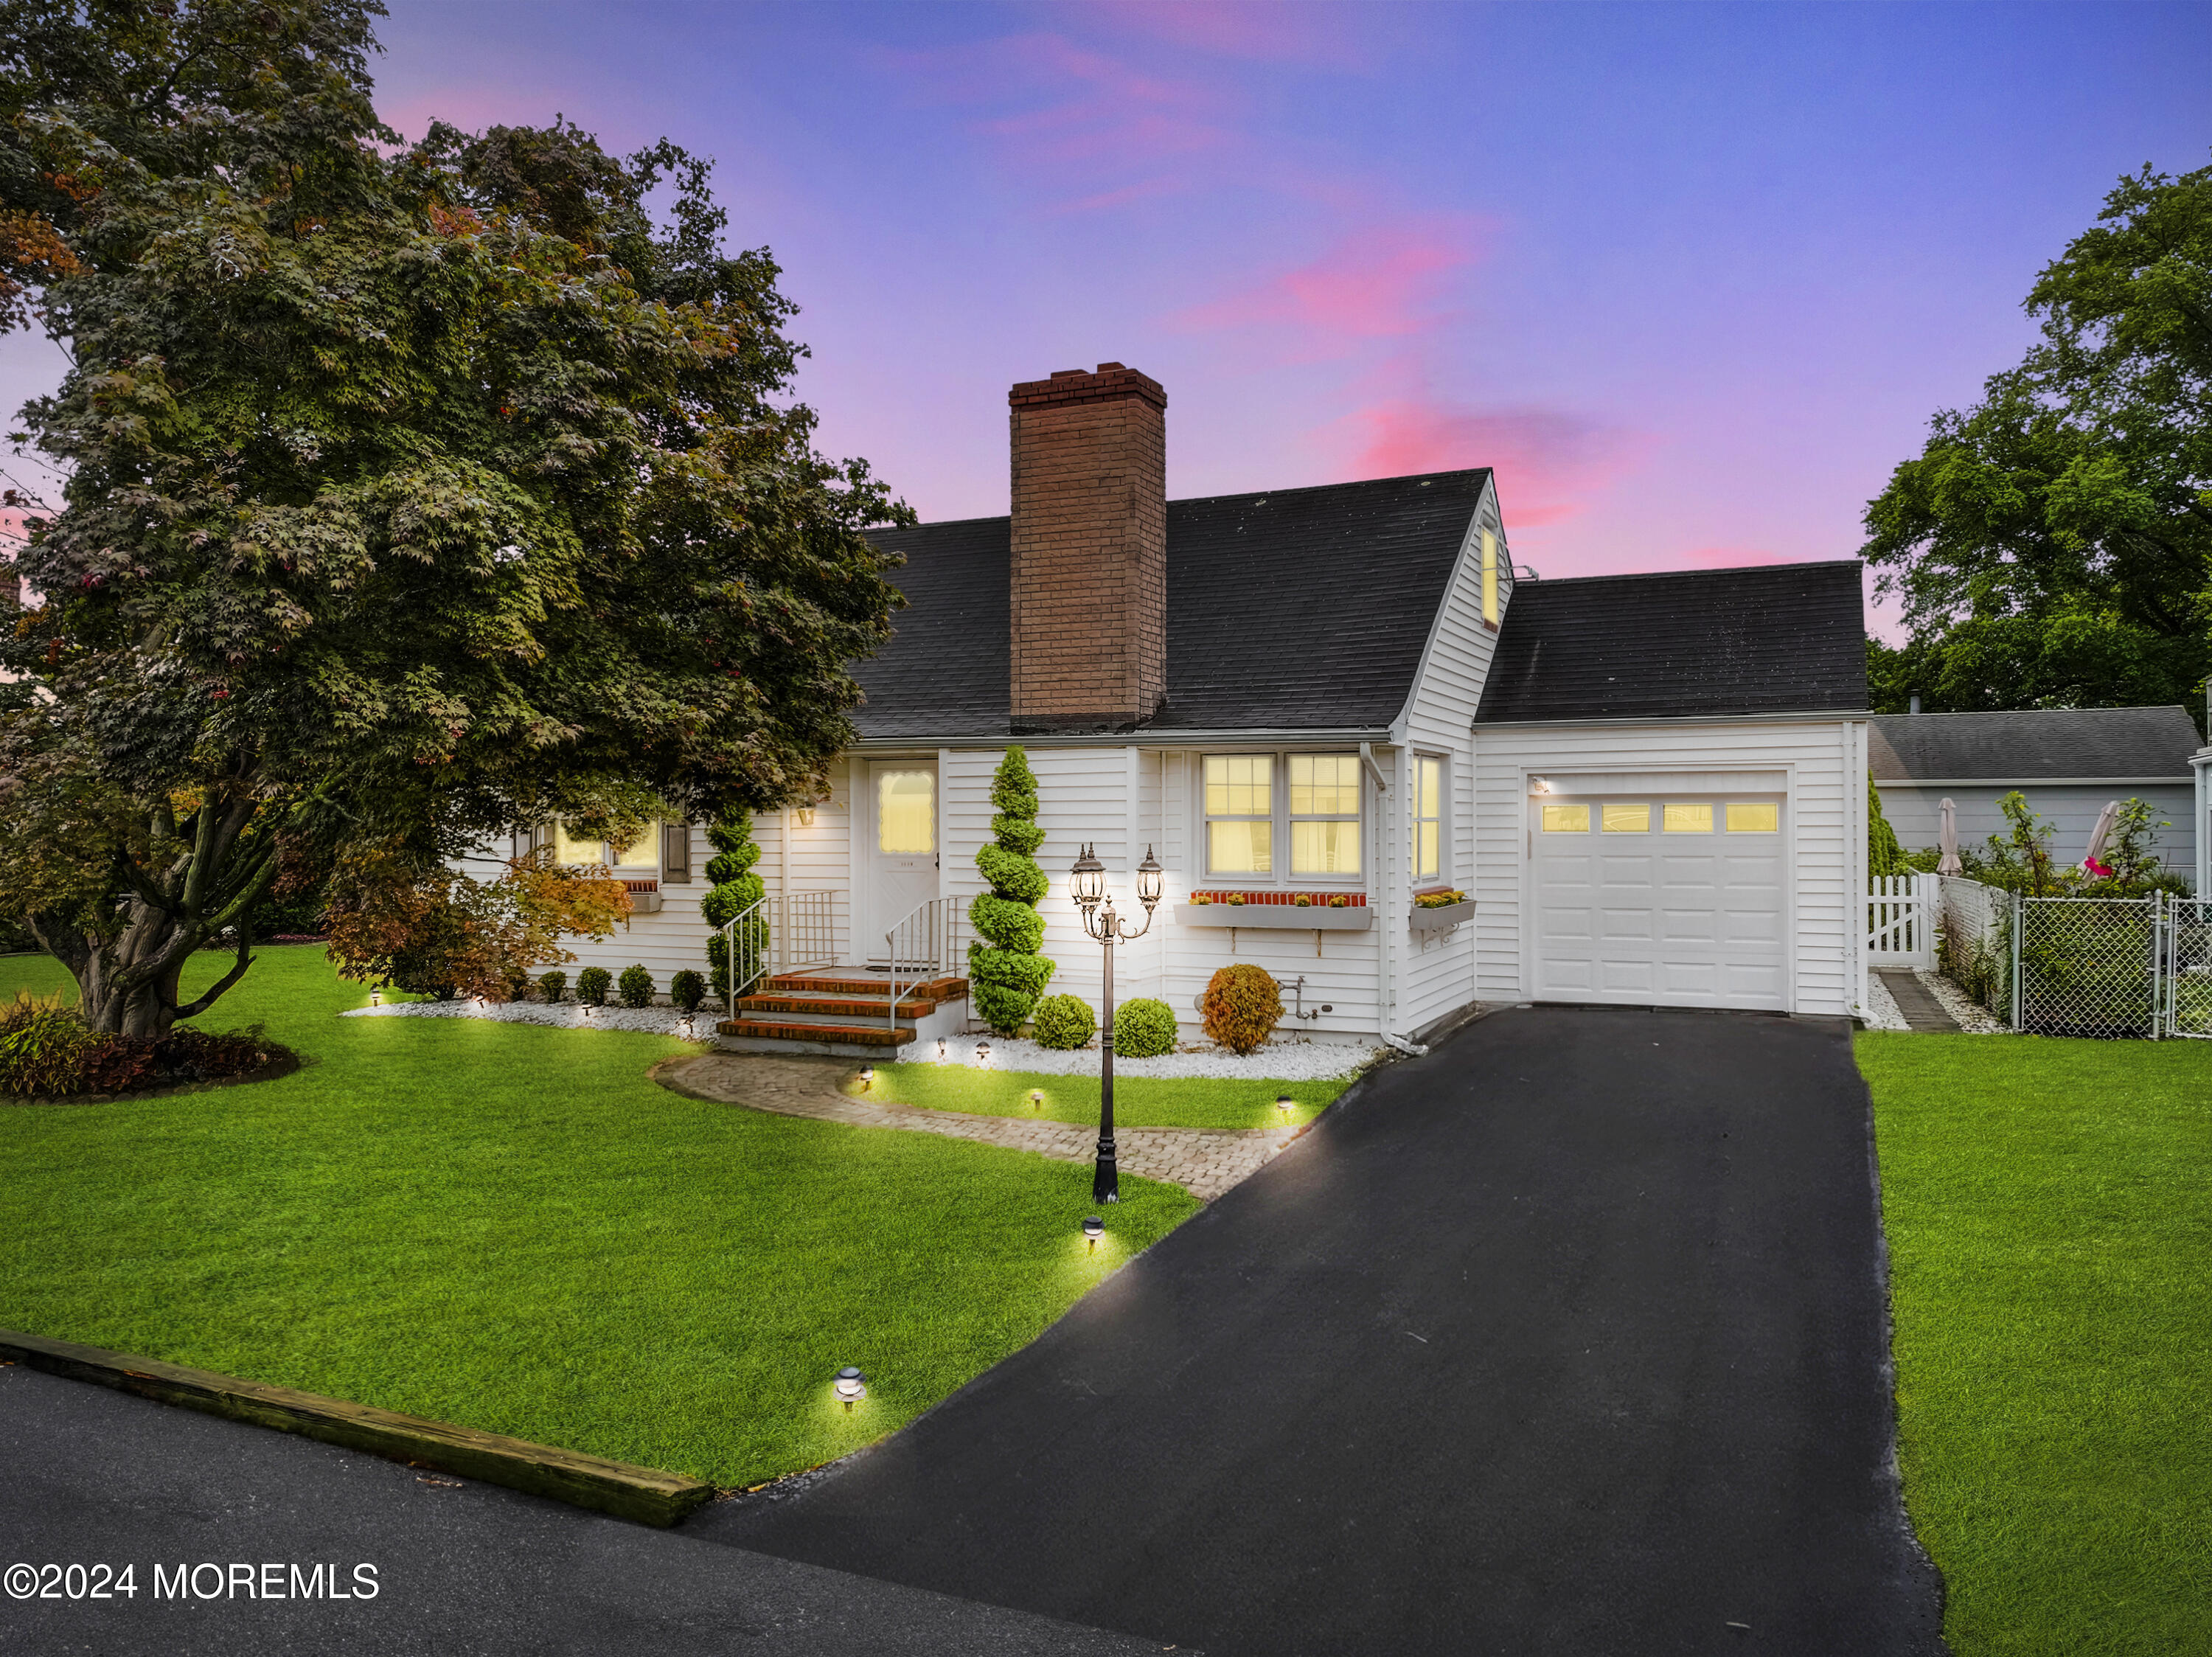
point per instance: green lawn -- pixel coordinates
(2049, 1207)
(1138, 1102)
(508, 1225)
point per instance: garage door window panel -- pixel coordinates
(1624, 817)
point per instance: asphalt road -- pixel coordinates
(1568, 1338)
(92, 1477)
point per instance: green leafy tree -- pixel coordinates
(410, 494)
(1005, 973)
(736, 889)
(1885, 857)
(2053, 543)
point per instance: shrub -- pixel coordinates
(736, 889)
(553, 986)
(1146, 1028)
(1005, 973)
(687, 989)
(43, 1046)
(592, 985)
(1065, 1022)
(635, 986)
(1242, 1005)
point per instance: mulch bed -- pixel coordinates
(265, 1063)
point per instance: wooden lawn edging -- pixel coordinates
(644, 1494)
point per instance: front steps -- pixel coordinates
(845, 1013)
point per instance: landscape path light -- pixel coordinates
(1086, 884)
(1094, 1229)
(1036, 1099)
(983, 1055)
(375, 996)
(1283, 1103)
(852, 1387)
(867, 1077)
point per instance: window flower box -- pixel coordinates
(1320, 911)
(1440, 912)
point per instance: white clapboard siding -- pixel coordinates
(1824, 761)
(1434, 973)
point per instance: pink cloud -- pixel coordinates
(1260, 30)
(1549, 462)
(1382, 283)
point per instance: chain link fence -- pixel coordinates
(2102, 968)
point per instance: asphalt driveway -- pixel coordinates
(1569, 1338)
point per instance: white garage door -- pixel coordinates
(1675, 898)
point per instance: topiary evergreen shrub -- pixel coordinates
(1243, 1005)
(1005, 975)
(686, 991)
(1145, 1028)
(1064, 1022)
(553, 986)
(592, 985)
(635, 986)
(736, 889)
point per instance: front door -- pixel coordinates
(901, 846)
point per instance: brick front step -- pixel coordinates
(853, 1035)
(835, 1006)
(808, 984)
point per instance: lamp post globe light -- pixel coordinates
(1086, 884)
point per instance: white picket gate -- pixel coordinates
(1901, 918)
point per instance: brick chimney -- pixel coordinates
(1090, 549)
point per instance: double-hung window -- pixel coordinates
(1240, 813)
(1428, 850)
(1269, 812)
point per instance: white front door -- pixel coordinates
(902, 828)
(1677, 897)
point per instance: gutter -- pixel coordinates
(1673, 719)
(2023, 782)
(1139, 737)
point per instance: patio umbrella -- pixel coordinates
(2096, 834)
(1947, 836)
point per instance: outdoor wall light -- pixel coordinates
(867, 1077)
(807, 816)
(1036, 1099)
(852, 1387)
(1094, 1229)
(1539, 785)
(1086, 881)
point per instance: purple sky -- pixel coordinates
(1692, 279)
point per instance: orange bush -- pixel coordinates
(1242, 1006)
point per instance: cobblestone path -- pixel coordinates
(1204, 1162)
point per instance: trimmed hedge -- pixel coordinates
(635, 986)
(1242, 1006)
(1005, 975)
(553, 986)
(592, 985)
(687, 989)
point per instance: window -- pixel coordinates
(1324, 813)
(1754, 817)
(1691, 817)
(1428, 819)
(906, 812)
(1626, 818)
(640, 860)
(1566, 818)
(1240, 813)
(571, 853)
(1490, 609)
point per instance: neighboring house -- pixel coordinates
(2068, 762)
(1652, 786)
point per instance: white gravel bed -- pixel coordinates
(1973, 1018)
(1279, 1061)
(1881, 1009)
(567, 1015)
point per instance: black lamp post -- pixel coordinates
(1086, 884)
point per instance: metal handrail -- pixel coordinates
(922, 940)
(752, 922)
(788, 929)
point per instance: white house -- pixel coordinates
(2068, 762)
(1650, 787)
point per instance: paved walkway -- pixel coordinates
(1204, 1161)
(1917, 1006)
(1568, 1338)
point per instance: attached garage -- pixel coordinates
(1671, 890)
(1670, 793)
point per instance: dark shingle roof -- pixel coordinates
(1294, 608)
(2021, 744)
(1779, 639)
